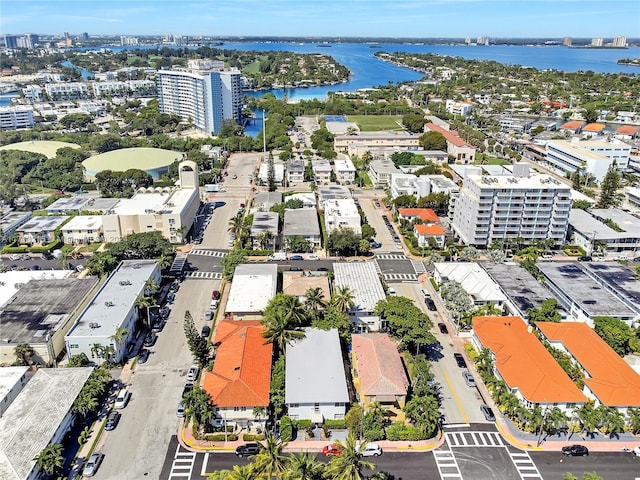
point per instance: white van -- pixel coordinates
(278, 256)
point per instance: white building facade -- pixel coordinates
(341, 214)
(593, 156)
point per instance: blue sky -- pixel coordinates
(372, 18)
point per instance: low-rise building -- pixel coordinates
(572, 127)
(315, 380)
(619, 279)
(278, 173)
(295, 172)
(265, 230)
(40, 230)
(341, 214)
(253, 287)
(83, 229)
(263, 201)
(308, 199)
(626, 132)
(10, 222)
(525, 365)
(68, 205)
(381, 171)
(362, 279)
(459, 108)
(460, 150)
(408, 184)
(67, 91)
(40, 415)
(345, 171)
(425, 215)
(15, 117)
(592, 130)
(298, 284)
(110, 319)
(332, 192)
(241, 375)
(473, 279)
(592, 230)
(378, 372)
(367, 141)
(608, 379)
(302, 222)
(12, 381)
(321, 171)
(425, 232)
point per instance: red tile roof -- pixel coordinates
(609, 377)
(379, 365)
(241, 374)
(594, 127)
(424, 214)
(627, 130)
(424, 229)
(572, 125)
(451, 137)
(524, 363)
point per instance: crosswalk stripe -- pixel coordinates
(447, 464)
(400, 276)
(204, 275)
(182, 466)
(390, 256)
(474, 439)
(418, 266)
(207, 253)
(525, 465)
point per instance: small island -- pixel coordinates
(630, 62)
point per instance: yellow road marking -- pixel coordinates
(455, 397)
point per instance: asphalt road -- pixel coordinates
(374, 218)
(610, 466)
(42, 264)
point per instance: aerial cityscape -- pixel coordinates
(299, 240)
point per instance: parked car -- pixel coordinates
(150, 339)
(392, 291)
(180, 410)
(205, 332)
(372, 450)
(295, 269)
(488, 413)
(192, 374)
(158, 325)
(430, 304)
(187, 388)
(122, 399)
(208, 315)
(143, 356)
(385, 218)
(443, 328)
(575, 450)
(296, 257)
(91, 467)
(214, 304)
(247, 449)
(171, 297)
(112, 421)
(331, 450)
(312, 257)
(424, 293)
(376, 204)
(322, 269)
(468, 379)
(460, 360)
(36, 267)
(585, 258)
(215, 295)
(164, 312)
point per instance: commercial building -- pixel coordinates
(460, 150)
(241, 375)
(40, 415)
(252, 289)
(587, 228)
(378, 372)
(345, 171)
(39, 308)
(608, 379)
(473, 279)
(315, 380)
(341, 214)
(83, 229)
(525, 365)
(521, 205)
(112, 310)
(302, 222)
(265, 228)
(204, 94)
(170, 211)
(15, 117)
(367, 141)
(362, 279)
(581, 295)
(593, 157)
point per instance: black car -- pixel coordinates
(112, 420)
(247, 449)
(584, 258)
(187, 388)
(295, 269)
(430, 305)
(322, 269)
(443, 328)
(143, 356)
(488, 413)
(575, 450)
(205, 332)
(460, 360)
(150, 339)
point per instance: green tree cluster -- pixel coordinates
(616, 333)
(122, 184)
(198, 346)
(406, 322)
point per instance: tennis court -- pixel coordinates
(335, 118)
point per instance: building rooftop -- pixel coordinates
(14, 280)
(142, 158)
(590, 227)
(524, 363)
(627, 222)
(241, 375)
(321, 165)
(43, 224)
(608, 376)
(591, 297)
(267, 199)
(35, 415)
(594, 127)
(424, 214)
(253, 286)
(424, 229)
(344, 165)
(450, 136)
(332, 192)
(68, 204)
(111, 304)
(301, 221)
(627, 130)
(380, 367)
(571, 125)
(9, 376)
(265, 222)
(101, 204)
(475, 281)
(342, 207)
(315, 370)
(362, 278)
(384, 165)
(42, 306)
(84, 222)
(47, 148)
(8, 220)
(511, 182)
(297, 284)
(153, 201)
(618, 277)
(520, 287)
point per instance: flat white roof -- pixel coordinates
(84, 222)
(252, 288)
(362, 278)
(345, 207)
(170, 202)
(30, 422)
(511, 182)
(69, 203)
(109, 307)
(9, 376)
(475, 280)
(12, 281)
(589, 226)
(344, 165)
(43, 224)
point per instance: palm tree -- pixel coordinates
(271, 462)
(50, 459)
(555, 420)
(259, 411)
(235, 225)
(343, 298)
(314, 300)
(279, 333)
(244, 472)
(633, 420)
(304, 466)
(23, 352)
(613, 421)
(151, 286)
(587, 416)
(265, 239)
(163, 261)
(424, 412)
(295, 314)
(349, 464)
(97, 350)
(197, 407)
(146, 303)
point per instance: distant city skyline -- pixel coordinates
(343, 18)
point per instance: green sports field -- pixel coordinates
(375, 123)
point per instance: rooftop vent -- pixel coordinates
(94, 325)
(108, 304)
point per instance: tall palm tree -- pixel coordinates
(244, 472)
(265, 239)
(151, 286)
(343, 298)
(295, 314)
(271, 462)
(163, 261)
(349, 464)
(146, 303)
(50, 459)
(235, 225)
(97, 349)
(23, 352)
(304, 466)
(279, 333)
(198, 407)
(314, 300)
(633, 420)
(258, 412)
(555, 420)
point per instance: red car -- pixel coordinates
(215, 294)
(331, 450)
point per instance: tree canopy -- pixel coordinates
(406, 322)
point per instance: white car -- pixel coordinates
(312, 257)
(392, 291)
(192, 374)
(122, 399)
(372, 450)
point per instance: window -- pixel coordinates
(74, 345)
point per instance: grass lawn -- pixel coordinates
(252, 67)
(492, 161)
(374, 123)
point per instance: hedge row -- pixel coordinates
(249, 437)
(335, 424)
(220, 437)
